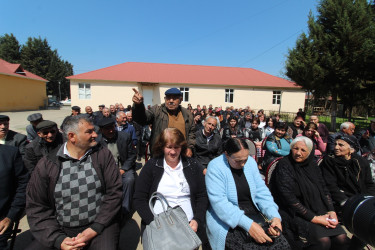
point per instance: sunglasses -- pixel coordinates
(46, 132)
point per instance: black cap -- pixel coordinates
(102, 105)
(173, 91)
(4, 117)
(34, 117)
(105, 121)
(76, 108)
(45, 124)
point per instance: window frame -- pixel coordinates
(86, 95)
(185, 93)
(228, 94)
(276, 97)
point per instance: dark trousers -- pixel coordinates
(107, 240)
(128, 181)
(5, 236)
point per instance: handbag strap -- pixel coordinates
(161, 198)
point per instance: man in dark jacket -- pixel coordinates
(13, 182)
(208, 143)
(10, 137)
(74, 197)
(169, 114)
(34, 120)
(121, 147)
(49, 140)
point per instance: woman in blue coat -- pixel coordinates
(238, 200)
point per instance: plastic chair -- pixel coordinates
(252, 148)
(270, 168)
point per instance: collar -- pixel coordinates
(208, 137)
(167, 167)
(64, 153)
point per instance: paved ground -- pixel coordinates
(130, 233)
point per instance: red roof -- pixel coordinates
(14, 69)
(185, 74)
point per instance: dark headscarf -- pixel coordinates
(308, 178)
(350, 139)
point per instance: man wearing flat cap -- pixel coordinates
(99, 113)
(167, 115)
(49, 140)
(76, 110)
(34, 120)
(10, 137)
(121, 146)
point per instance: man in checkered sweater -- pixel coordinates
(74, 196)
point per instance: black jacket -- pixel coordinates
(13, 182)
(39, 148)
(125, 149)
(345, 178)
(148, 182)
(16, 140)
(205, 151)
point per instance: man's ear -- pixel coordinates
(72, 137)
(40, 134)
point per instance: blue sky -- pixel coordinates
(96, 34)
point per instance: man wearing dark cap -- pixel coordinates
(76, 110)
(49, 140)
(10, 137)
(167, 115)
(99, 113)
(34, 120)
(121, 146)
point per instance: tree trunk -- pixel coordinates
(350, 110)
(333, 111)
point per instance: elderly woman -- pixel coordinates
(311, 131)
(277, 144)
(347, 174)
(238, 198)
(309, 219)
(180, 179)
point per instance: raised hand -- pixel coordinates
(137, 97)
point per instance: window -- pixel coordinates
(229, 95)
(276, 97)
(185, 94)
(84, 91)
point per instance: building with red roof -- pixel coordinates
(204, 85)
(21, 89)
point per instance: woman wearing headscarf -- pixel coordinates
(309, 219)
(347, 174)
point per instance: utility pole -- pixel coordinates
(59, 91)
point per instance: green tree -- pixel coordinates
(38, 57)
(339, 47)
(10, 48)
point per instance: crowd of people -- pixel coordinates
(78, 184)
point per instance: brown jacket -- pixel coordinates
(158, 117)
(40, 202)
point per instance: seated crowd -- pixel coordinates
(78, 184)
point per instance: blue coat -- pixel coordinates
(222, 193)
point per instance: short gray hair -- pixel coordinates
(71, 124)
(345, 125)
(128, 112)
(118, 115)
(308, 142)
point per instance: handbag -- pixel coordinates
(169, 229)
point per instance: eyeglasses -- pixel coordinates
(46, 132)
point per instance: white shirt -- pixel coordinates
(175, 188)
